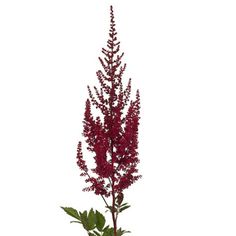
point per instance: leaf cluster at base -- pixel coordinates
(93, 222)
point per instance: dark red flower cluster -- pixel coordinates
(112, 137)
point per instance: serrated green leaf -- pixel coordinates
(72, 212)
(91, 220)
(84, 220)
(100, 221)
(121, 232)
(108, 232)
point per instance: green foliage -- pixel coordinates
(108, 232)
(72, 212)
(118, 208)
(91, 219)
(88, 220)
(83, 216)
(123, 207)
(91, 234)
(100, 221)
(121, 232)
(96, 233)
(94, 221)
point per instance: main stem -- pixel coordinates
(113, 211)
(114, 219)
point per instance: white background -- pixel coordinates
(182, 56)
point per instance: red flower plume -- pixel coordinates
(113, 136)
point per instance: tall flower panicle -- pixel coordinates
(112, 137)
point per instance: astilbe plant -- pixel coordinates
(112, 138)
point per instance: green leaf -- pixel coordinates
(72, 212)
(97, 233)
(100, 221)
(123, 208)
(121, 232)
(107, 227)
(108, 232)
(91, 234)
(84, 220)
(124, 204)
(91, 220)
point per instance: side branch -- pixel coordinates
(97, 104)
